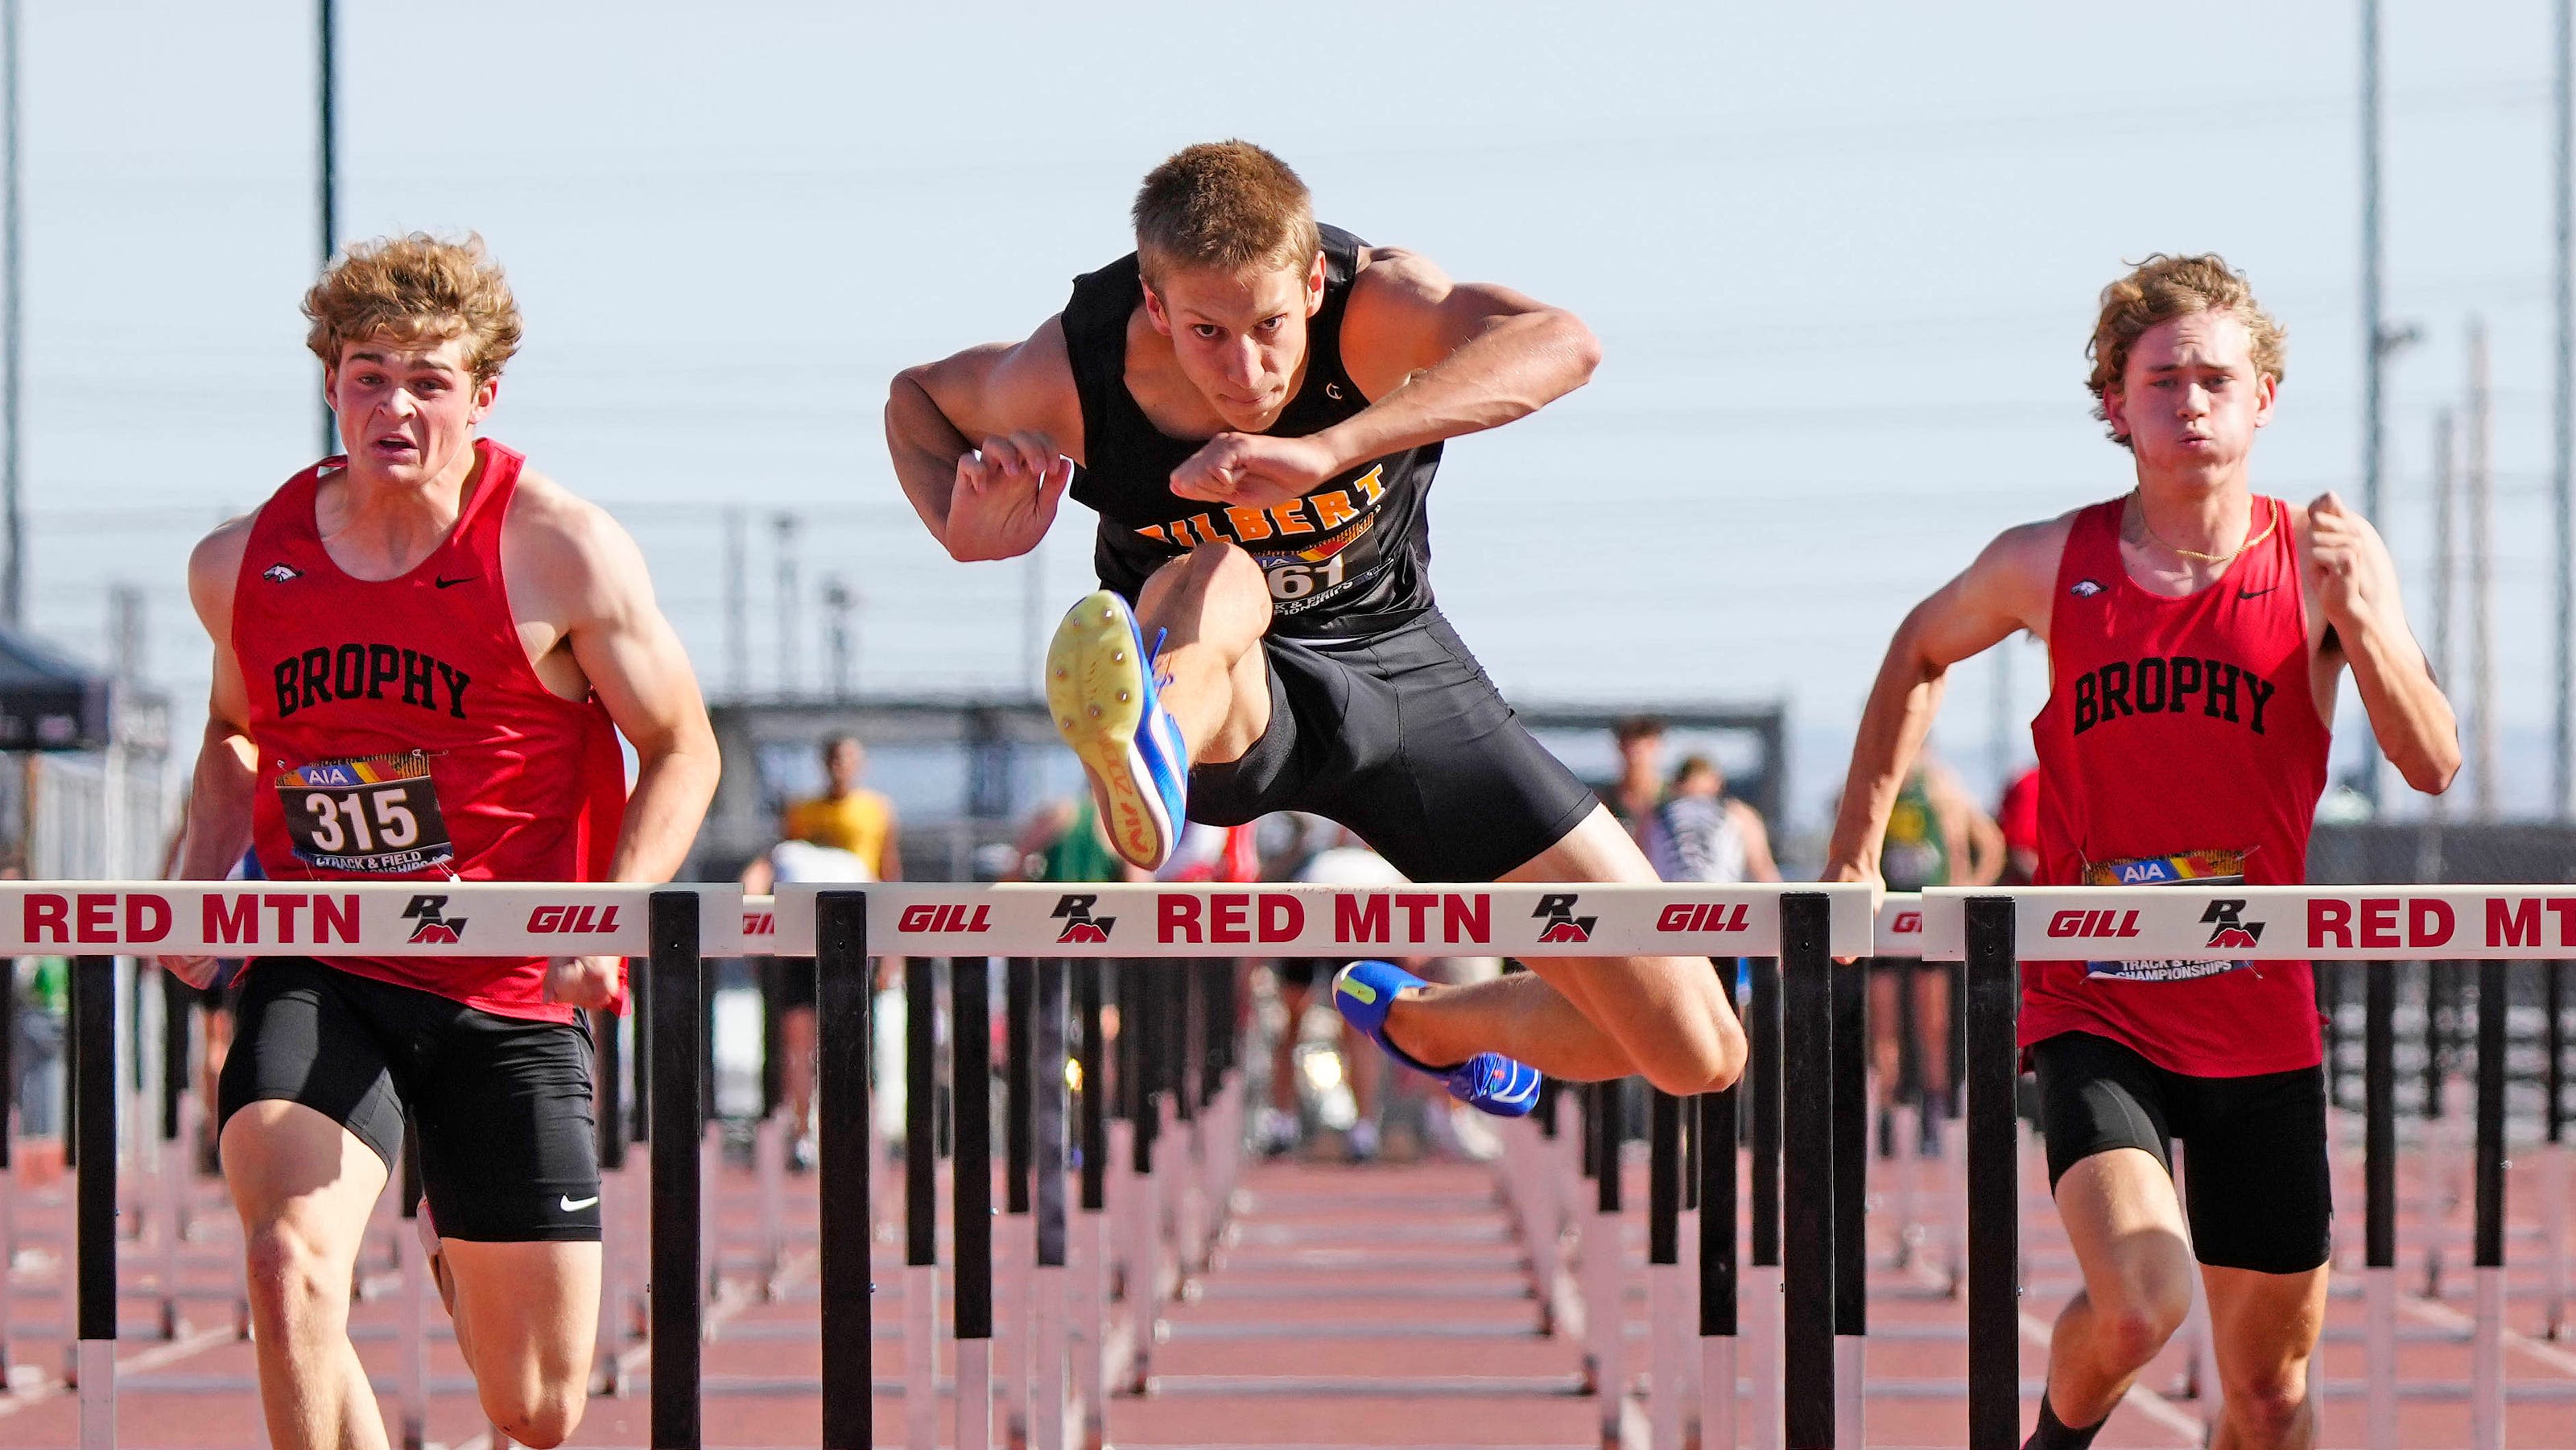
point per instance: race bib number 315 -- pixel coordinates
(378, 814)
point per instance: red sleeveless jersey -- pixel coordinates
(2180, 744)
(404, 736)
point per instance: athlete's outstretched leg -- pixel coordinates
(2126, 1227)
(304, 1186)
(1142, 695)
(1668, 1019)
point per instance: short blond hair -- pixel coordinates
(1227, 206)
(415, 286)
(2157, 291)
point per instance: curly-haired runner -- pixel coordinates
(2196, 632)
(424, 654)
(1257, 405)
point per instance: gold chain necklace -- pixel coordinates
(2229, 557)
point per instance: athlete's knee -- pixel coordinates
(2266, 1406)
(540, 1413)
(2136, 1312)
(1697, 1054)
(1222, 582)
(288, 1274)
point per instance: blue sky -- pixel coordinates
(1842, 258)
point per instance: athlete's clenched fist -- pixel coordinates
(1005, 495)
(587, 982)
(2348, 568)
(1255, 470)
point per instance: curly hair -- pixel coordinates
(2160, 289)
(1226, 206)
(415, 286)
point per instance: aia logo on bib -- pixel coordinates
(1079, 924)
(280, 573)
(1557, 910)
(2084, 589)
(431, 923)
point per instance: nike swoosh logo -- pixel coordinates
(452, 583)
(576, 1205)
(2254, 593)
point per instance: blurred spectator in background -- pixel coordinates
(845, 834)
(1640, 787)
(1936, 836)
(1700, 833)
(2017, 816)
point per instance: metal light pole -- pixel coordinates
(326, 55)
(2376, 344)
(13, 570)
(2562, 398)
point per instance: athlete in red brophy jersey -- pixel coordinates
(2196, 633)
(404, 734)
(424, 655)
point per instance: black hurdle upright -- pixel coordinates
(841, 1132)
(1020, 985)
(1048, 1162)
(970, 1075)
(1714, 1134)
(1994, 1178)
(2553, 1080)
(676, 978)
(2486, 1372)
(1093, 1128)
(921, 1201)
(1603, 1254)
(1807, 1223)
(1851, 1175)
(1762, 1096)
(8, 1174)
(94, 1126)
(1664, 1252)
(2379, 1182)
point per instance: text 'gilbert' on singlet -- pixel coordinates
(403, 734)
(2180, 745)
(1353, 557)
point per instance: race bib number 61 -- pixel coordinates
(377, 814)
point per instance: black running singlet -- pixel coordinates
(1351, 558)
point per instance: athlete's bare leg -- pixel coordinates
(304, 1187)
(2126, 1226)
(796, 1068)
(2265, 1327)
(1212, 606)
(526, 1315)
(1587, 1019)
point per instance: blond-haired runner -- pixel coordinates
(424, 655)
(2196, 632)
(1256, 405)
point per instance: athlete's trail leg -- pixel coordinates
(304, 1186)
(1669, 1019)
(2265, 1327)
(526, 1315)
(2126, 1227)
(1212, 606)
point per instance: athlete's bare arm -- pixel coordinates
(227, 773)
(2351, 584)
(585, 609)
(1436, 357)
(978, 441)
(1758, 864)
(2005, 590)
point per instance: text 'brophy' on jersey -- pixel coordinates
(430, 921)
(1079, 924)
(1557, 910)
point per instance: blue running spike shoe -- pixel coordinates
(1107, 704)
(1488, 1082)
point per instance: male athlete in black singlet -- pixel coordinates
(1256, 406)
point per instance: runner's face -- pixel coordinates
(2190, 398)
(407, 409)
(1240, 337)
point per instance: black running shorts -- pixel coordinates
(2255, 1188)
(508, 1152)
(1400, 737)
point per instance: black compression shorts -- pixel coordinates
(1400, 737)
(508, 1152)
(2254, 1147)
(787, 983)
